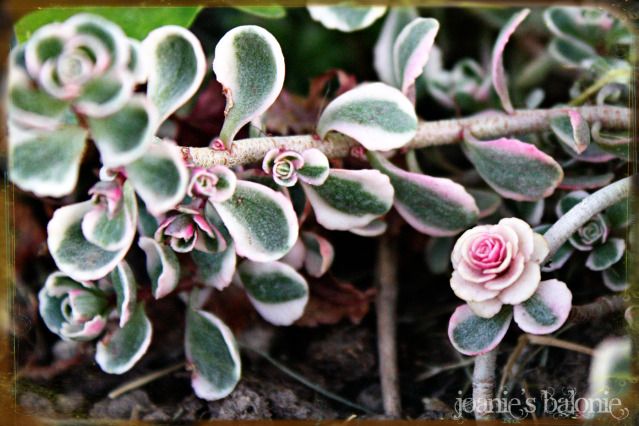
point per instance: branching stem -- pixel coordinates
(429, 133)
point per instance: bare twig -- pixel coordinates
(511, 362)
(144, 380)
(558, 343)
(600, 308)
(386, 306)
(433, 371)
(429, 133)
(484, 384)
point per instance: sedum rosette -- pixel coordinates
(496, 265)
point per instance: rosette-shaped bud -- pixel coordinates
(286, 166)
(592, 234)
(84, 60)
(72, 310)
(216, 184)
(188, 229)
(497, 264)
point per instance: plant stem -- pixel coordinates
(576, 217)
(141, 381)
(429, 133)
(484, 384)
(385, 308)
(558, 343)
(600, 308)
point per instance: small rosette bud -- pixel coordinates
(73, 310)
(286, 166)
(216, 184)
(188, 229)
(593, 233)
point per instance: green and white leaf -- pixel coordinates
(572, 130)
(606, 255)
(514, 169)
(72, 253)
(411, 51)
(350, 199)
(215, 269)
(249, 64)
(620, 214)
(433, 206)
(213, 355)
(119, 351)
(546, 310)
(112, 233)
(473, 335)
(125, 288)
(396, 19)
(261, 221)
(487, 201)
(124, 136)
(160, 177)
(278, 292)
(616, 277)
(318, 254)
(346, 17)
(376, 115)
(45, 162)
(162, 265)
(176, 66)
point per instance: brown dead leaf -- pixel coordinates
(332, 300)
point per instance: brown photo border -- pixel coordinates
(12, 10)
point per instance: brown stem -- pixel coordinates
(601, 307)
(386, 306)
(429, 133)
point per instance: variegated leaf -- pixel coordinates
(346, 17)
(261, 221)
(350, 198)
(434, 206)
(396, 19)
(125, 288)
(176, 66)
(319, 254)
(162, 265)
(376, 115)
(411, 51)
(572, 130)
(45, 162)
(118, 352)
(474, 335)
(215, 269)
(124, 136)
(160, 177)
(249, 64)
(212, 354)
(546, 310)
(278, 292)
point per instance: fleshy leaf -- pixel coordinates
(72, 253)
(586, 181)
(350, 198)
(125, 288)
(278, 292)
(530, 211)
(346, 18)
(215, 269)
(434, 206)
(373, 229)
(606, 255)
(569, 201)
(570, 53)
(118, 352)
(376, 115)
(176, 64)
(50, 301)
(619, 214)
(116, 232)
(160, 177)
(267, 12)
(396, 19)
(546, 310)
(162, 265)
(515, 169)
(474, 335)
(487, 201)
(249, 64)
(319, 254)
(411, 51)
(295, 257)
(616, 277)
(44, 162)
(261, 221)
(124, 136)
(572, 130)
(316, 167)
(498, 73)
(560, 257)
(212, 353)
